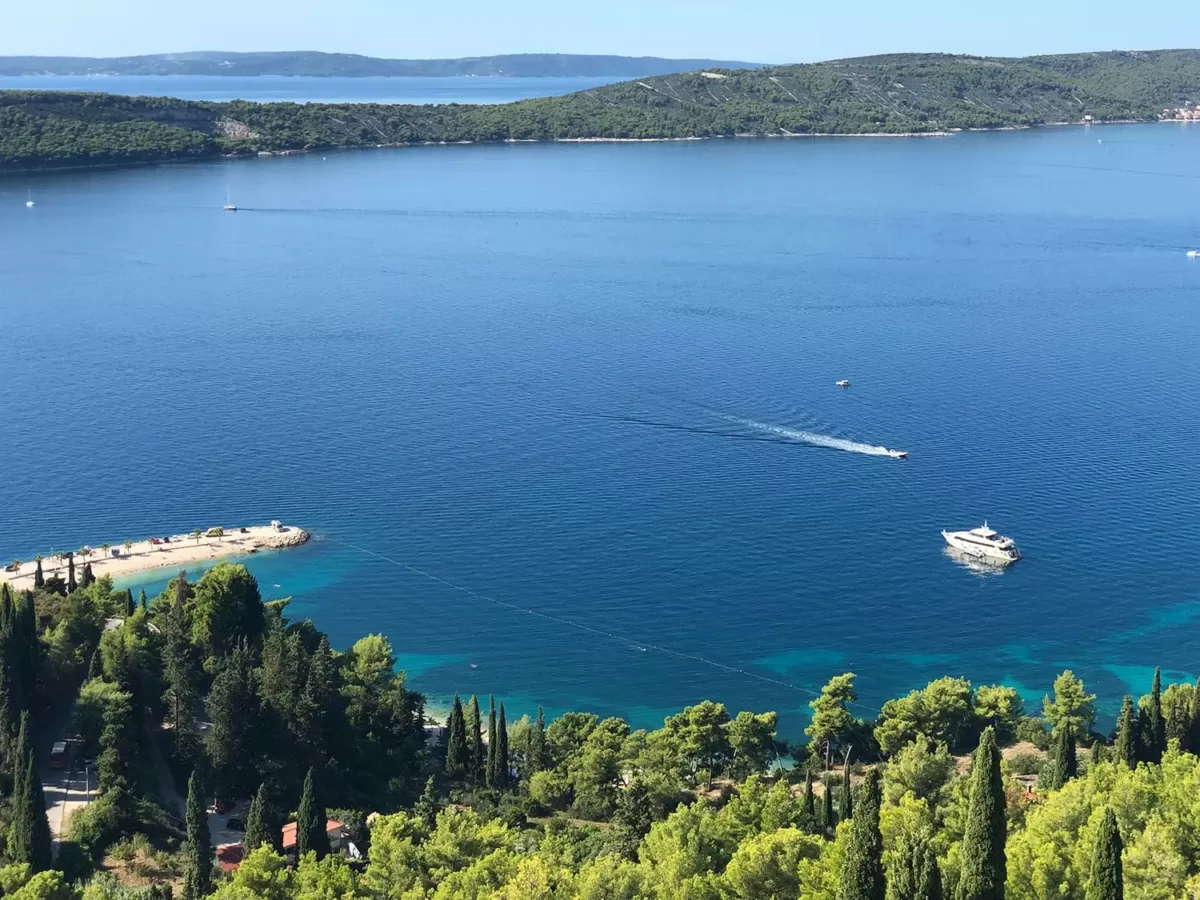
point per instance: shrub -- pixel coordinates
(1025, 764)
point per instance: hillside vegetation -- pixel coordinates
(918, 93)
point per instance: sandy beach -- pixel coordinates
(170, 551)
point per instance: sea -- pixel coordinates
(306, 89)
(562, 417)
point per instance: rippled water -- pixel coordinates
(305, 89)
(567, 381)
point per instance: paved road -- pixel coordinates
(66, 790)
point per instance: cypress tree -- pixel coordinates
(1106, 881)
(475, 765)
(492, 743)
(1156, 743)
(88, 577)
(984, 869)
(828, 816)
(1194, 726)
(846, 804)
(914, 873)
(10, 703)
(537, 743)
(29, 834)
(310, 822)
(95, 667)
(1065, 764)
(1097, 753)
(456, 742)
(197, 874)
(143, 601)
(862, 866)
(426, 808)
(259, 822)
(929, 877)
(71, 583)
(130, 608)
(810, 800)
(503, 766)
(39, 579)
(1127, 738)
(633, 817)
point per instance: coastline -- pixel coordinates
(174, 551)
(265, 154)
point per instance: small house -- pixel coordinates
(338, 836)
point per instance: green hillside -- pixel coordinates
(892, 94)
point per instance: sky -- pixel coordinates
(776, 31)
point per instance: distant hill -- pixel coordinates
(906, 93)
(347, 65)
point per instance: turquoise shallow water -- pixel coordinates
(539, 404)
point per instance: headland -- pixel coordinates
(168, 551)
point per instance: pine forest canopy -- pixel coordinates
(577, 807)
(896, 94)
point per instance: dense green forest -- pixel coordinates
(207, 693)
(915, 93)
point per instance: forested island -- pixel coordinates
(899, 94)
(352, 65)
(324, 766)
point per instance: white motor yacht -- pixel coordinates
(845, 382)
(984, 544)
(898, 454)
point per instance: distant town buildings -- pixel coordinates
(1186, 113)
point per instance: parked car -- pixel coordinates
(155, 540)
(222, 806)
(235, 824)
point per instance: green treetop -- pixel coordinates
(198, 864)
(457, 752)
(1127, 735)
(1071, 705)
(476, 765)
(832, 722)
(503, 767)
(1156, 737)
(1064, 766)
(260, 823)
(310, 822)
(914, 872)
(490, 766)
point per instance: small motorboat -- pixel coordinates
(845, 382)
(898, 454)
(1193, 254)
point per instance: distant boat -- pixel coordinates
(229, 205)
(985, 544)
(898, 454)
(1192, 254)
(845, 382)
(29, 203)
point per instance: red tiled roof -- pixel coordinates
(229, 856)
(289, 832)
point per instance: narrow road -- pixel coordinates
(66, 791)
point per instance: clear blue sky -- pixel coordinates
(755, 30)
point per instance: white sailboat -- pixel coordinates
(229, 205)
(29, 202)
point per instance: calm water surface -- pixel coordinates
(578, 384)
(305, 89)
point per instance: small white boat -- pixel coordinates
(230, 206)
(898, 454)
(29, 203)
(984, 544)
(1192, 254)
(845, 382)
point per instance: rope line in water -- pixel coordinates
(579, 626)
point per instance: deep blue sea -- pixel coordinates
(303, 89)
(549, 409)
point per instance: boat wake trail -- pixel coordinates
(809, 437)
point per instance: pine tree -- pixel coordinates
(828, 816)
(456, 742)
(475, 765)
(633, 817)
(1127, 737)
(1106, 882)
(260, 820)
(1156, 742)
(318, 700)
(492, 744)
(71, 583)
(426, 808)
(846, 799)
(1065, 766)
(984, 868)
(862, 865)
(503, 767)
(29, 834)
(197, 873)
(39, 579)
(310, 822)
